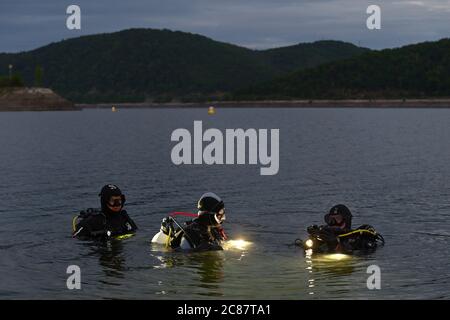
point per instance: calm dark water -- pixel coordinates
(391, 167)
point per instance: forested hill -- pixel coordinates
(161, 65)
(414, 71)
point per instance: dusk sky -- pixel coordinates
(256, 24)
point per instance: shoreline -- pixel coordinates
(356, 103)
(344, 104)
(22, 99)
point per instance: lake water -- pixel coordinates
(390, 166)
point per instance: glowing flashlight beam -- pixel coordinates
(237, 244)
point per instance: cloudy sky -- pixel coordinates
(258, 24)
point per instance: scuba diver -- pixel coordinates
(338, 236)
(205, 232)
(109, 222)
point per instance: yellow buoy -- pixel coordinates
(211, 110)
(113, 109)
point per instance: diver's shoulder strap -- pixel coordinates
(86, 214)
(90, 212)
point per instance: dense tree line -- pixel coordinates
(161, 65)
(414, 71)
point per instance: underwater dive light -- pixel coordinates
(309, 243)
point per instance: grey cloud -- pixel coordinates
(252, 23)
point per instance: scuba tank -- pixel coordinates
(166, 232)
(189, 236)
(171, 234)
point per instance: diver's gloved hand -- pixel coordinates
(329, 234)
(166, 220)
(167, 225)
(313, 229)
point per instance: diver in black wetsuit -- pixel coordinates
(338, 236)
(205, 232)
(109, 222)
